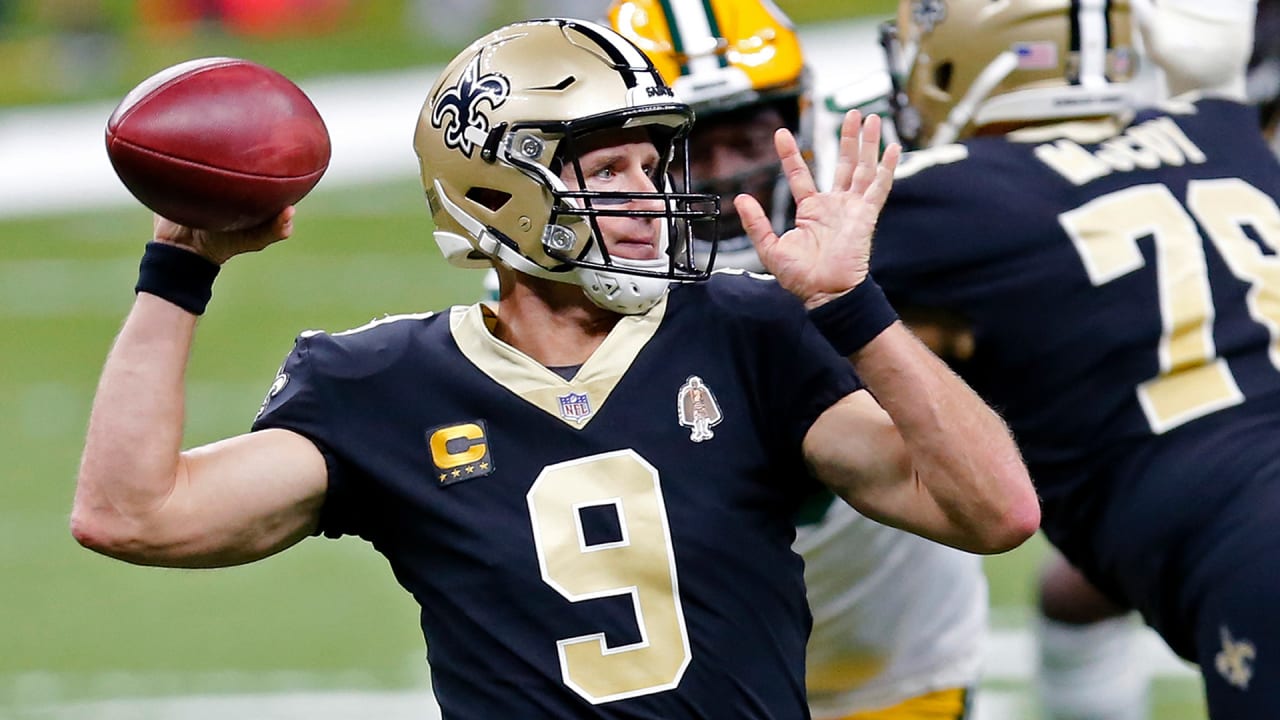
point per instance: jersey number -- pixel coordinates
(639, 562)
(1193, 381)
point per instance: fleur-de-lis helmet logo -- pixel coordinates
(457, 110)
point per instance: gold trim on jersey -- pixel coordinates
(471, 327)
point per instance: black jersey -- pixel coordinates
(1120, 284)
(612, 546)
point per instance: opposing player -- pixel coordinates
(899, 621)
(589, 486)
(1110, 276)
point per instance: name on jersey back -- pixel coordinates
(1145, 146)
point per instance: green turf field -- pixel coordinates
(67, 284)
(324, 615)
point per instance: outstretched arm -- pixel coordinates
(138, 497)
(922, 451)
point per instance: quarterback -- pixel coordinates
(590, 485)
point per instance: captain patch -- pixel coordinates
(460, 452)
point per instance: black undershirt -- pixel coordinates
(566, 371)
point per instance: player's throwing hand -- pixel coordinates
(219, 247)
(827, 253)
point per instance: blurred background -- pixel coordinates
(67, 50)
(321, 631)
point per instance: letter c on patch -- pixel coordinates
(457, 445)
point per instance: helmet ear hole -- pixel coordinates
(942, 76)
(489, 198)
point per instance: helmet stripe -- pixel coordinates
(626, 57)
(713, 25)
(677, 37)
(694, 34)
(1092, 37)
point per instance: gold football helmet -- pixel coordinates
(499, 125)
(721, 57)
(959, 65)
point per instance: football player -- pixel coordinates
(1108, 275)
(1085, 640)
(589, 486)
(899, 621)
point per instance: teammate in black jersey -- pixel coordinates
(1110, 284)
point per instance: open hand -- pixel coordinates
(220, 247)
(828, 252)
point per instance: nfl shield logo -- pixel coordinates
(574, 407)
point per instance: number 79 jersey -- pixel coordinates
(1120, 282)
(616, 545)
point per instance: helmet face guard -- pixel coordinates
(679, 212)
(733, 154)
(906, 121)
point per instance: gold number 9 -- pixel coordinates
(640, 564)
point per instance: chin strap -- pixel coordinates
(623, 293)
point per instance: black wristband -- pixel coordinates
(854, 319)
(180, 276)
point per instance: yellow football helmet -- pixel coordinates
(718, 54)
(721, 57)
(959, 65)
(502, 120)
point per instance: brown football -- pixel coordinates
(218, 143)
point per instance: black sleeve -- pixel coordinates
(301, 400)
(801, 373)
